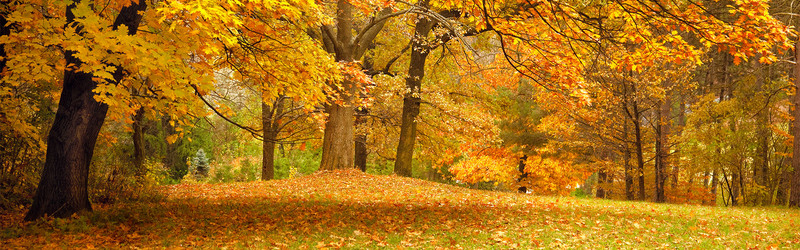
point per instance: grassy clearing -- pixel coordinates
(348, 209)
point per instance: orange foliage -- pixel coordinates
(547, 175)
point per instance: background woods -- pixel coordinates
(664, 101)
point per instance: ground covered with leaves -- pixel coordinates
(349, 209)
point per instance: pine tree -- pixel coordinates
(200, 164)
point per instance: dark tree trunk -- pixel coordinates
(361, 140)
(601, 179)
(270, 124)
(628, 178)
(662, 150)
(658, 187)
(637, 127)
(138, 142)
(522, 174)
(63, 188)
(4, 31)
(794, 197)
(738, 188)
(411, 100)
(626, 156)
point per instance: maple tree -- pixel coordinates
(643, 93)
(110, 76)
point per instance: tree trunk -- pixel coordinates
(270, 124)
(662, 149)
(637, 127)
(338, 142)
(681, 125)
(4, 31)
(411, 99)
(601, 179)
(361, 140)
(714, 184)
(628, 169)
(138, 142)
(63, 188)
(761, 161)
(172, 159)
(338, 139)
(794, 197)
(337, 145)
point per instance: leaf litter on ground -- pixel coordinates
(353, 210)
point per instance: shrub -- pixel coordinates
(296, 163)
(239, 169)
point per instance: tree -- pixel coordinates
(420, 49)
(200, 164)
(348, 47)
(173, 73)
(794, 199)
(62, 189)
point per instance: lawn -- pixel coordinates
(349, 209)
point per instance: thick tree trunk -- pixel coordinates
(138, 142)
(63, 188)
(361, 140)
(338, 139)
(794, 197)
(337, 145)
(411, 99)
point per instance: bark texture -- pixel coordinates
(338, 143)
(270, 126)
(411, 99)
(337, 146)
(62, 189)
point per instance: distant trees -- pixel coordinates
(616, 87)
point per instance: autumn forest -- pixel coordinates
(404, 124)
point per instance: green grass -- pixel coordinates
(351, 210)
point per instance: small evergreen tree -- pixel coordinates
(200, 164)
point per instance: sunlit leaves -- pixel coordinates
(349, 209)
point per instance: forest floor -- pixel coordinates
(349, 209)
